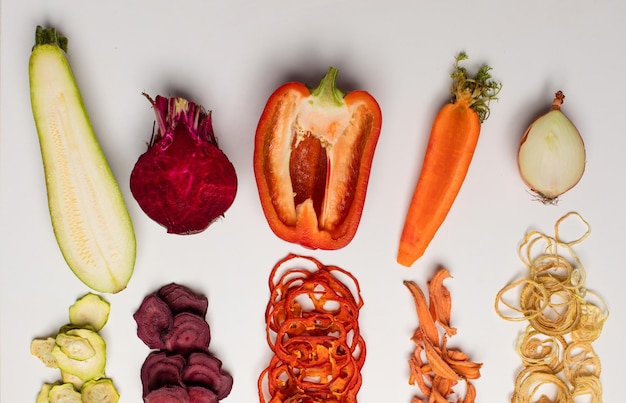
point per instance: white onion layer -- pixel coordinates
(551, 156)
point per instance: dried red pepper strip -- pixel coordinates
(312, 159)
(312, 328)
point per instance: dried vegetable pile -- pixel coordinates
(313, 330)
(78, 351)
(564, 318)
(180, 368)
(443, 368)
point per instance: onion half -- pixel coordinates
(551, 156)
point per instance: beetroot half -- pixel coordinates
(183, 181)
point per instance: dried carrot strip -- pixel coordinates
(437, 363)
(434, 368)
(312, 328)
(440, 300)
(427, 322)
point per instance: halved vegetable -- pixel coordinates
(89, 216)
(90, 310)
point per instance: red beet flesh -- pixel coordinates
(183, 181)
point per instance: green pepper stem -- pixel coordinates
(49, 36)
(327, 92)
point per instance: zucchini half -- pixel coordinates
(89, 216)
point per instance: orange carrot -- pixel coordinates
(450, 149)
(434, 368)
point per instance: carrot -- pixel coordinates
(434, 368)
(450, 149)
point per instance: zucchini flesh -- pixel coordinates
(90, 310)
(99, 391)
(42, 397)
(64, 393)
(42, 349)
(76, 369)
(75, 347)
(89, 216)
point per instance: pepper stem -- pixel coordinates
(49, 36)
(327, 92)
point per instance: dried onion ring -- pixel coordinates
(531, 381)
(580, 360)
(588, 386)
(536, 348)
(563, 320)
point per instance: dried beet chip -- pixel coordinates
(154, 318)
(172, 322)
(182, 299)
(189, 333)
(204, 369)
(168, 394)
(200, 394)
(161, 369)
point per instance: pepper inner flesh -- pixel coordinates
(323, 153)
(308, 165)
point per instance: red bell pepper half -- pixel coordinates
(312, 158)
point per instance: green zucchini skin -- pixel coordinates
(89, 216)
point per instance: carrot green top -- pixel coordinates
(477, 91)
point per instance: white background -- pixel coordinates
(229, 56)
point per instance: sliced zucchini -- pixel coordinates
(88, 213)
(75, 347)
(42, 397)
(64, 393)
(42, 349)
(99, 391)
(90, 310)
(75, 368)
(73, 379)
